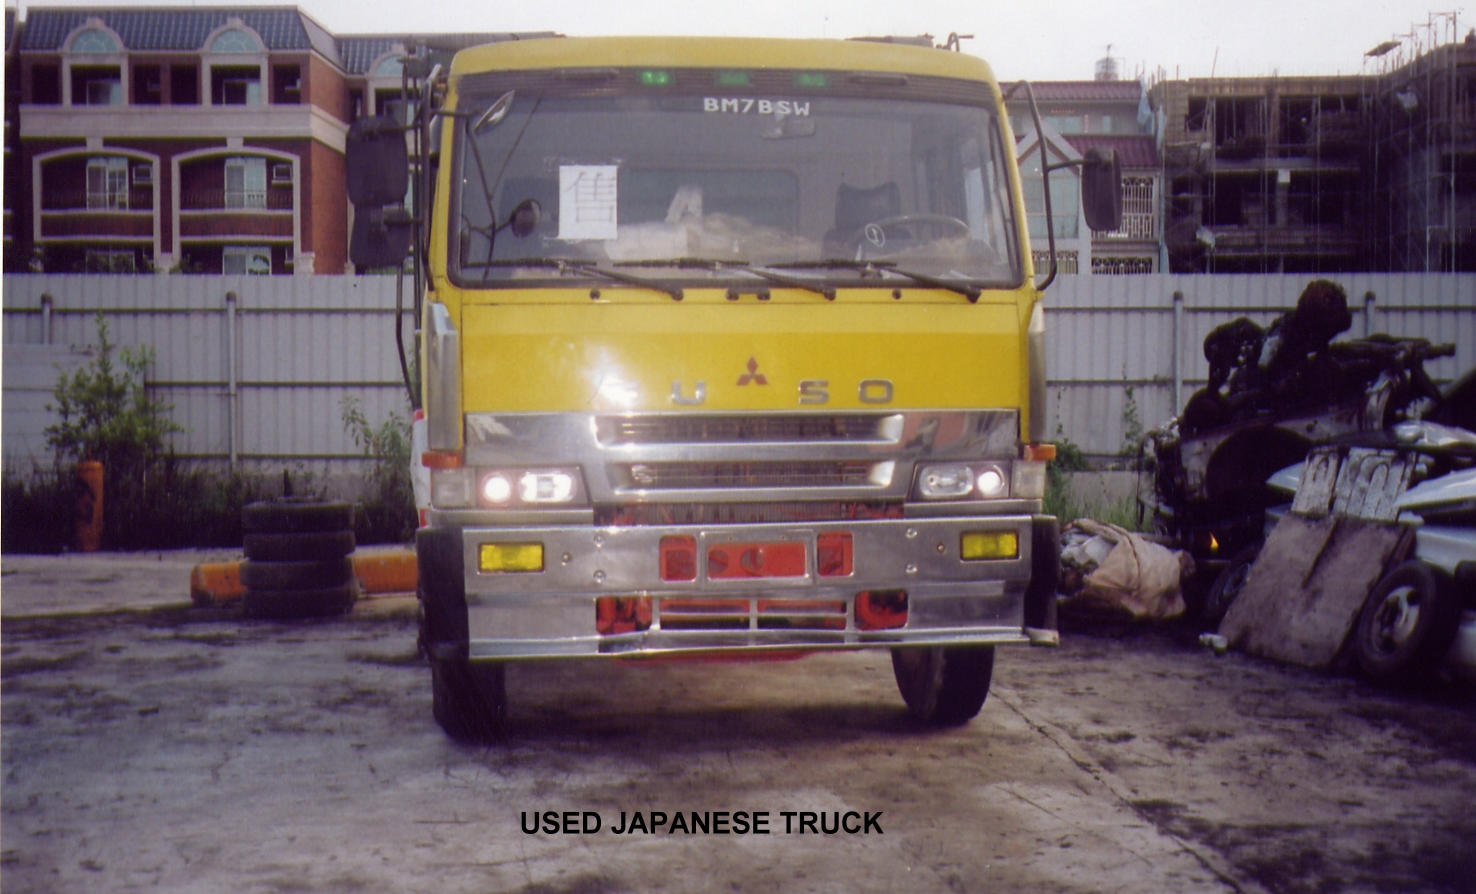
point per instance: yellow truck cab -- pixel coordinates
(725, 346)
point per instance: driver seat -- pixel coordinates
(856, 207)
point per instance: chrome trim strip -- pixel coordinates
(443, 367)
(899, 439)
(552, 612)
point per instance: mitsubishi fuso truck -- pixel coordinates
(724, 347)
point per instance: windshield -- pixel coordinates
(709, 179)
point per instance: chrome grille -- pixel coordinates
(745, 475)
(743, 513)
(849, 458)
(727, 613)
(779, 428)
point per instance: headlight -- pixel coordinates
(964, 481)
(505, 488)
(496, 489)
(546, 487)
(991, 482)
(499, 488)
(945, 482)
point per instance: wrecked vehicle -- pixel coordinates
(1414, 613)
(1272, 394)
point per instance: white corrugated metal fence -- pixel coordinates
(256, 367)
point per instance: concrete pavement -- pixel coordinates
(92, 583)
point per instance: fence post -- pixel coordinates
(1178, 363)
(46, 303)
(232, 393)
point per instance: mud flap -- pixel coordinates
(1045, 570)
(1303, 594)
(442, 593)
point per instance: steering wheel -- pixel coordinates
(889, 235)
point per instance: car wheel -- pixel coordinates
(943, 685)
(297, 558)
(320, 602)
(469, 699)
(1227, 585)
(1407, 624)
(297, 575)
(291, 515)
(307, 546)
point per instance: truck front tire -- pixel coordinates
(469, 700)
(943, 685)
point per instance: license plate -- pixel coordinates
(740, 561)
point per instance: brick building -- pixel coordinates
(205, 139)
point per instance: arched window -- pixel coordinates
(94, 42)
(94, 73)
(390, 67)
(235, 41)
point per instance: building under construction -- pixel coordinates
(1371, 172)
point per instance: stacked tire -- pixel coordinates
(299, 560)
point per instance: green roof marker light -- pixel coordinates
(811, 79)
(652, 77)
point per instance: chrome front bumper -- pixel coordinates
(552, 613)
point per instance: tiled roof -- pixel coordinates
(1132, 152)
(1084, 91)
(176, 28)
(358, 53)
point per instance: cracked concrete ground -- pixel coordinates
(189, 750)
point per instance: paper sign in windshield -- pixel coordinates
(587, 201)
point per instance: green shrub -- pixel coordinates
(106, 412)
(387, 514)
(171, 506)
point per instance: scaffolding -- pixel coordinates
(1370, 172)
(1424, 156)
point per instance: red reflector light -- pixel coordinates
(881, 609)
(833, 554)
(441, 459)
(622, 614)
(679, 558)
(727, 561)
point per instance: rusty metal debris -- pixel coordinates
(1272, 394)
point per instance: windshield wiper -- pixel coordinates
(588, 268)
(718, 266)
(877, 268)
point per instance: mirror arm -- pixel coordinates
(1045, 178)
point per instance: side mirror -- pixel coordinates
(378, 165)
(1101, 189)
(378, 176)
(381, 237)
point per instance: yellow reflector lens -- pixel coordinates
(989, 545)
(495, 557)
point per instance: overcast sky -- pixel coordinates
(1043, 40)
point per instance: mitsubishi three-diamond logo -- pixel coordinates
(753, 375)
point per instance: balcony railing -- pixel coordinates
(244, 200)
(1135, 227)
(97, 201)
